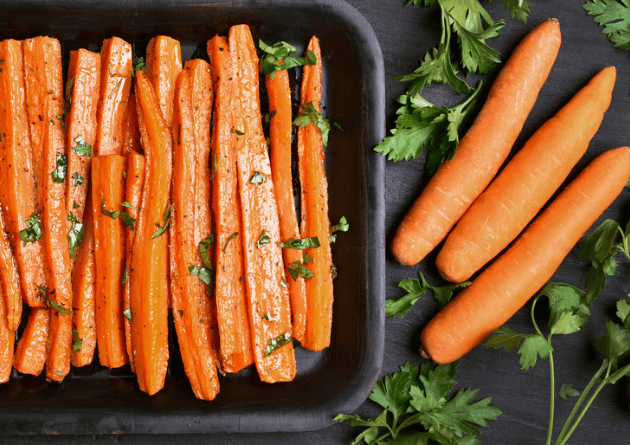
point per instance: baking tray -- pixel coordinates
(95, 400)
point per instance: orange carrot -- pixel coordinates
(115, 84)
(82, 92)
(107, 196)
(7, 341)
(280, 137)
(164, 63)
(131, 133)
(505, 286)
(10, 278)
(133, 194)
(315, 222)
(16, 174)
(269, 304)
(231, 301)
(149, 271)
(30, 353)
(527, 182)
(190, 228)
(480, 153)
(83, 295)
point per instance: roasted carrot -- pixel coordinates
(234, 332)
(280, 126)
(513, 278)
(115, 84)
(149, 271)
(480, 153)
(191, 276)
(315, 222)
(83, 295)
(164, 63)
(133, 196)
(269, 304)
(17, 194)
(10, 278)
(82, 92)
(44, 93)
(131, 133)
(30, 353)
(527, 182)
(7, 341)
(108, 217)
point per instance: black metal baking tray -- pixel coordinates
(95, 400)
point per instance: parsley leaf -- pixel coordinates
(343, 226)
(599, 249)
(127, 313)
(104, 211)
(277, 57)
(77, 179)
(60, 172)
(518, 8)
(128, 220)
(504, 338)
(614, 16)
(33, 231)
(204, 245)
(567, 390)
(257, 178)
(308, 114)
(203, 273)
(82, 148)
(139, 65)
(232, 236)
(75, 235)
(77, 342)
(263, 239)
(166, 219)
(298, 269)
(301, 244)
(277, 343)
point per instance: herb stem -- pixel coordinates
(552, 396)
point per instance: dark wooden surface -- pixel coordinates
(405, 34)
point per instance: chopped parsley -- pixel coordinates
(77, 179)
(59, 173)
(82, 148)
(257, 178)
(301, 244)
(139, 65)
(298, 269)
(166, 218)
(77, 341)
(264, 239)
(75, 235)
(232, 236)
(277, 57)
(106, 212)
(308, 114)
(128, 220)
(276, 343)
(127, 313)
(237, 132)
(343, 226)
(33, 231)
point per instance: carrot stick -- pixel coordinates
(149, 271)
(82, 92)
(83, 295)
(115, 84)
(10, 278)
(133, 194)
(527, 182)
(231, 301)
(513, 278)
(269, 305)
(107, 196)
(315, 223)
(30, 353)
(190, 228)
(7, 341)
(164, 63)
(480, 153)
(280, 126)
(131, 133)
(17, 195)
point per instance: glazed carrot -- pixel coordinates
(527, 182)
(269, 304)
(7, 341)
(133, 196)
(44, 91)
(30, 353)
(115, 84)
(315, 223)
(190, 228)
(10, 278)
(107, 196)
(83, 295)
(231, 301)
(512, 279)
(280, 126)
(82, 92)
(480, 153)
(17, 194)
(164, 63)
(131, 133)
(149, 271)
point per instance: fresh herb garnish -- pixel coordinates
(127, 313)
(263, 239)
(213, 167)
(306, 258)
(307, 114)
(268, 317)
(614, 16)
(75, 204)
(82, 148)
(268, 117)
(106, 212)
(204, 274)
(282, 51)
(77, 179)
(204, 245)
(43, 293)
(301, 244)
(123, 274)
(257, 178)
(232, 236)
(60, 172)
(343, 226)
(236, 132)
(139, 65)
(276, 343)
(298, 269)
(129, 206)
(128, 220)
(166, 219)
(33, 231)
(283, 283)
(75, 235)
(77, 342)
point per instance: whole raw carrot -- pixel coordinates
(505, 286)
(269, 304)
(107, 196)
(10, 278)
(164, 63)
(16, 173)
(527, 182)
(131, 132)
(115, 84)
(480, 153)
(280, 127)
(30, 353)
(235, 349)
(315, 222)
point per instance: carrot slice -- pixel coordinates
(107, 196)
(149, 271)
(269, 304)
(82, 92)
(116, 64)
(164, 63)
(190, 228)
(513, 278)
(10, 277)
(30, 353)
(133, 193)
(517, 194)
(231, 301)
(7, 341)
(458, 182)
(83, 295)
(16, 173)
(280, 126)
(131, 133)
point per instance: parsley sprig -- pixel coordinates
(614, 16)
(282, 51)
(308, 114)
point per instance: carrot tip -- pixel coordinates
(424, 354)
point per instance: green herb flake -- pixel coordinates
(123, 274)
(277, 57)
(75, 235)
(268, 117)
(268, 317)
(301, 244)
(139, 65)
(257, 178)
(263, 239)
(33, 231)
(203, 273)
(236, 132)
(59, 173)
(204, 245)
(127, 313)
(298, 269)
(181, 313)
(75, 205)
(306, 258)
(213, 166)
(128, 220)
(77, 179)
(276, 343)
(283, 282)
(232, 236)
(77, 342)
(104, 211)
(129, 206)
(308, 114)
(166, 219)
(82, 148)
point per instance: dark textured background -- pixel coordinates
(405, 34)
